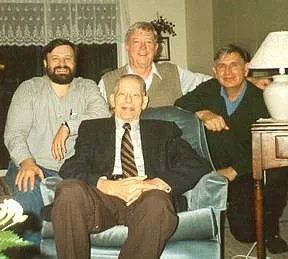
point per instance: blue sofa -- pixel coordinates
(199, 233)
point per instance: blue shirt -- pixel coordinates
(232, 106)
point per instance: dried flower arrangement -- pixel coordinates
(163, 26)
(164, 29)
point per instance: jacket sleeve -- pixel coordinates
(194, 100)
(184, 167)
(79, 166)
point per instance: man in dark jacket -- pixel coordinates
(162, 167)
(228, 105)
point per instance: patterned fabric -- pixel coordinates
(127, 153)
(26, 22)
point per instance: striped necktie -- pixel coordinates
(127, 154)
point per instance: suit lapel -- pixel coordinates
(108, 140)
(148, 143)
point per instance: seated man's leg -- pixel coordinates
(225, 151)
(32, 203)
(79, 210)
(240, 210)
(151, 221)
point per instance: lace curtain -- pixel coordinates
(36, 22)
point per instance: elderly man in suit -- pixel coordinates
(115, 183)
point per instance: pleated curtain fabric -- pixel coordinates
(127, 154)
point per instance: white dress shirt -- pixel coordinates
(188, 79)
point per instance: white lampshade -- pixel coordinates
(273, 52)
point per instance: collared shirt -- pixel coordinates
(148, 80)
(36, 113)
(232, 106)
(137, 145)
(188, 79)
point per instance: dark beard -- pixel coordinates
(61, 79)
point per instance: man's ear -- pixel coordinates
(156, 49)
(145, 102)
(246, 69)
(45, 63)
(126, 47)
(214, 71)
(112, 100)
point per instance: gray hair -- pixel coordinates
(231, 48)
(145, 26)
(135, 77)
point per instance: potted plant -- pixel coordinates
(164, 29)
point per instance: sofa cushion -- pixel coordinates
(191, 127)
(198, 224)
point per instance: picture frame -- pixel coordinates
(164, 54)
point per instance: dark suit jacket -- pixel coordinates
(166, 155)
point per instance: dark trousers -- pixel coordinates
(79, 210)
(240, 212)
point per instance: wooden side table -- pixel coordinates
(269, 149)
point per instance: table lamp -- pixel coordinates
(273, 53)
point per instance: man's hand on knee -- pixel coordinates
(26, 174)
(130, 189)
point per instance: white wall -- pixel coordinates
(173, 11)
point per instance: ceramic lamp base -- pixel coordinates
(276, 98)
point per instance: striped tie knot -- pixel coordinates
(127, 126)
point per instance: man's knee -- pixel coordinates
(31, 201)
(70, 190)
(156, 201)
(158, 210)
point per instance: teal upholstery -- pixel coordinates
(198, 234)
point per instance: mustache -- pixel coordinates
(59, 67)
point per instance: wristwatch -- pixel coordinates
(64, 123)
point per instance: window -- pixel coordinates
(27, 25)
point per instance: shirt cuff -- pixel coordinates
(168, 189)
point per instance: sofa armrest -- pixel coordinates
(210, 191)
(48, 187)
(193, 225)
